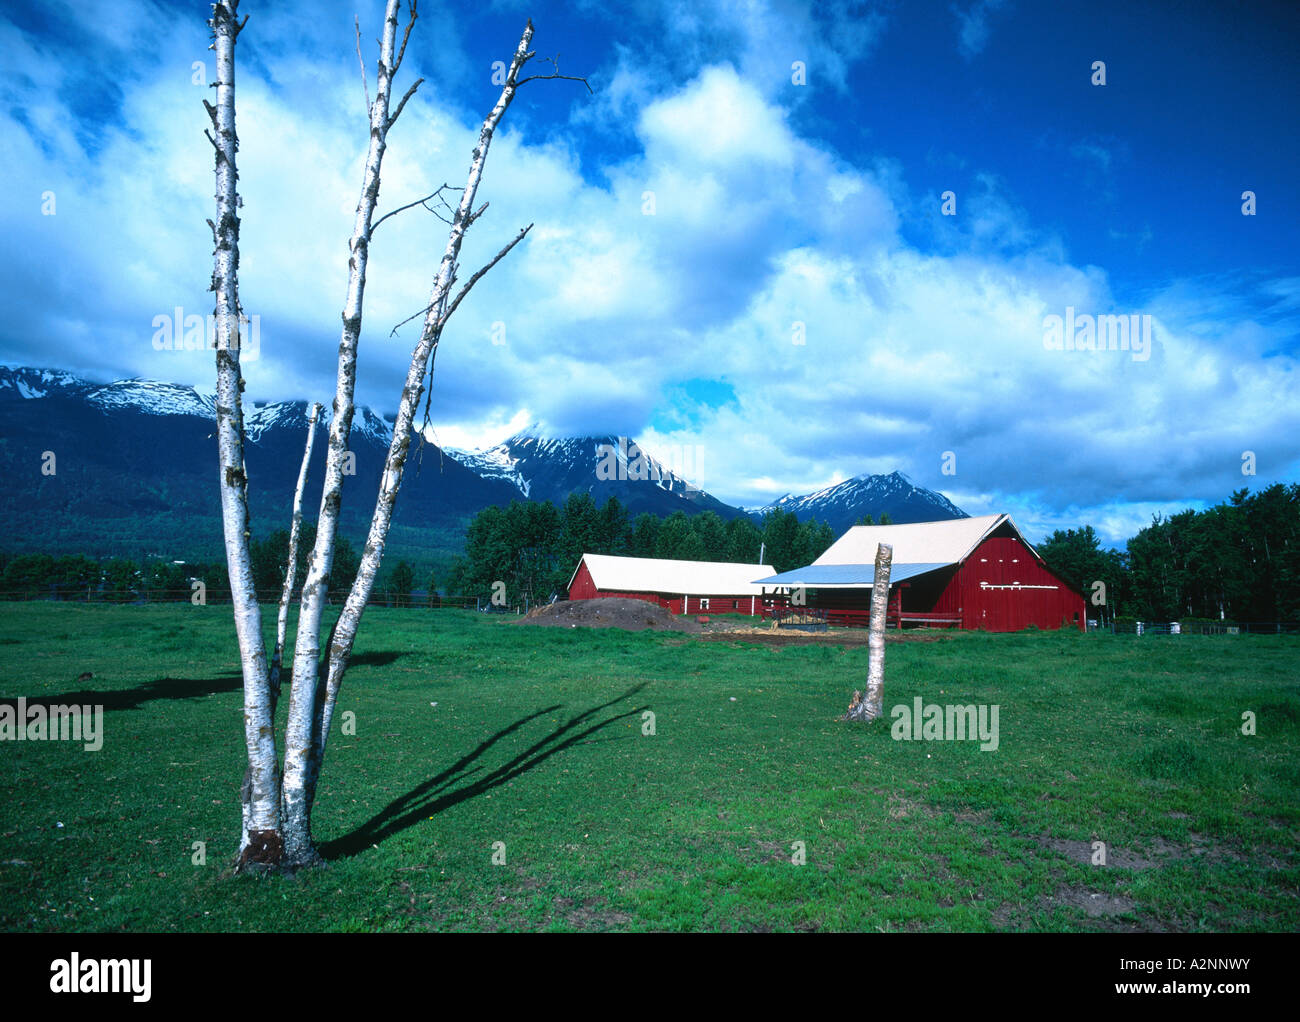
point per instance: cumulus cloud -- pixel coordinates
(716, 243)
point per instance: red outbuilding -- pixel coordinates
(683, 587)
(967, 572)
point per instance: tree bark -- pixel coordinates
(260, 840)
(868, 706)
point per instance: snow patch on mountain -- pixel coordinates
(154, 398)
(495, 463)
(542, 467)
(32, 384)
(293, 415)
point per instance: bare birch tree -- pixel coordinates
(277, 814)
(870, 705)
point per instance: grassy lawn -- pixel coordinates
(536, 741)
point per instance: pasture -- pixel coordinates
(530, 797)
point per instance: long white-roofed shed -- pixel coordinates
(684, 587)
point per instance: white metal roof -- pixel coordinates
(686, 578)
(918, 543)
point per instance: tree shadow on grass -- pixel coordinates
(169, 688)
(133, 698)
(366, 659)
(439, 792)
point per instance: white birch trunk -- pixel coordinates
(303, 696)
(440, 307)
(876, 640)
(261, 839)
(869, 705)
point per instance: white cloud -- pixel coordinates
(906, 354)
(973, 26)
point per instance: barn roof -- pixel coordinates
(918, 548)
(661, 575)
(947, 542)
(845, 576)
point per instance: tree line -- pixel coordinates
(123, 580)
(1237, 561)
(533, 548)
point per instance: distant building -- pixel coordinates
(683, 587)
(976, 573)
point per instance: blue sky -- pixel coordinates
(796, 310)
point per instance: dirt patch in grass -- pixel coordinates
(589, 914)
(768, 852)
(1159, 853)
(1104, 911)
(1217, 851)
(777, 637)
(642, 615)
(1095, 904)
(1116, 858)
(901, 807)
(609, 612)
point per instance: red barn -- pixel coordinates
(684, 587)
(968, 572)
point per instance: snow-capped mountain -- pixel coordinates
(22, 382)
(154, 397)
(137, 458)
(546, 468)
(259, 418)
(841, 505)
(149, 396)
(495, 463)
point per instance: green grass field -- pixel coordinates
(537, 742)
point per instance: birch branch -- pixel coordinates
(402, 104)
(291, 565)
(465, 290)
(555, 63)
(365, 84)
(455, 302)
(397, 63)
(411, 15)
(418, 202)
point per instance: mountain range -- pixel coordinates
(129, 468)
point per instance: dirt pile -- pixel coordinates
(609, 612)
